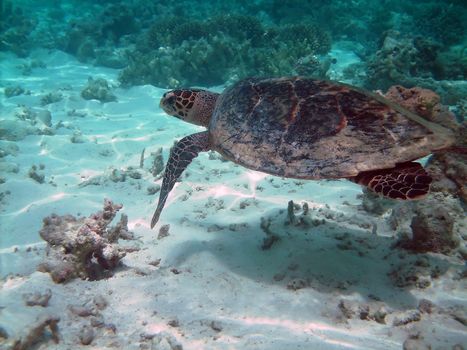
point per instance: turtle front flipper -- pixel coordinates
(181, 156)
(406, 181)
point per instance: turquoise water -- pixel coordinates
(240, 259)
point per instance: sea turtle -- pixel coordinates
(303, 128)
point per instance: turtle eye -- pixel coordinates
(171, 100)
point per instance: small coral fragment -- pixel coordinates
(98, 89)
(40, 299)
(34, 334)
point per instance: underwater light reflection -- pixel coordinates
(296, 327)
(12, 283)
(140, 222)
(123, 139)
(253, 178)
(222, 190)
(52, 198)
(88, 173)
(163, 328)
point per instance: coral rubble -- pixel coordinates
(432, 230)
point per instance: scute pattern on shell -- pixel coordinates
(304, 128)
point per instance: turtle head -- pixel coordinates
(191, 105)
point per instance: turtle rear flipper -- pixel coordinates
(181, 156)
(406, 181)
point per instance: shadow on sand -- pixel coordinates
(329, 258)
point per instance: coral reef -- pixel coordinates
(452, 63)
(412, 60)
(361, 21)
(401, 59)
(177, 44)
(15, 29)
(84, 247)
(210, 52)
(171, 45)
(95, 38)
(445, 24)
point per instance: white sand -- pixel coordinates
(224, 276)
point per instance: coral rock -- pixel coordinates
(407, 317)
(449, 172)
(98, 89)
(84, 247)
(433, 227)
(424, 102)
(432, 230)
